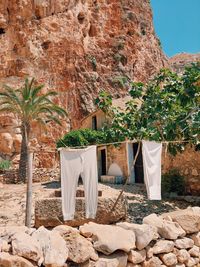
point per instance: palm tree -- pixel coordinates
(28, 104)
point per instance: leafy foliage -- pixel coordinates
(82, 137)
(29, 104)
(5, 165)
(172, 182)
(165, 109)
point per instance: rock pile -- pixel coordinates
(168, 240)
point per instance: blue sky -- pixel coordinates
(177, 24)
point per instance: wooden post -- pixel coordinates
(29, 189)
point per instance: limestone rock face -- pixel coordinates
(109, 238)
(77, 48)
(196, 239)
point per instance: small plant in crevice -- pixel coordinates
(5, 165)
(93, 62)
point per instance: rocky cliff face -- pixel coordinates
(76, 47)
(179, 61)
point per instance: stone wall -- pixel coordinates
(188, 163)
(172, 239)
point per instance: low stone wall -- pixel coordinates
(169, 240)
(188, 164)
(48, 211)
(40, 175)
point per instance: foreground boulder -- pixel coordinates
(117, 259)
(48, 212)
(27, 246)
(166, 228)
(144, 233)
(109, 238)
(188, 219)
(7, 260)
(55, 252)
(75, 242)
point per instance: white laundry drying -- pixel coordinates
(151, 152)
(76, 162)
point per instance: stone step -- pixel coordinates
(79, 193)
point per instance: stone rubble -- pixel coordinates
(98, 245)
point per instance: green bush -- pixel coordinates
(5, 165)
(173, 182)
(82, 137)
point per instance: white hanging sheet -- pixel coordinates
(151, 152)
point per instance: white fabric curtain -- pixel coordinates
(151, 152)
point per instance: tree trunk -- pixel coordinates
(29, 189)
(23, 155)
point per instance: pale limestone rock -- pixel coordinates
(188, 219)
(137, 256)
(54, 248)
(191, 262)
(77, 243)
(130, 264)
(183, 255)
(163, 246)
(153, 220)
(65, 229)
(184, 243)
(166, 228)
(109, 238)
(179, 265)
(149, 252)
(8, 231)
(171, 230)
(7, 260)
(196, 239)
(152, 262)
(27, 246)
(194, 251)
(144, 233)
(6, 143)
(4, 246)
(117, 259)
(169, 259)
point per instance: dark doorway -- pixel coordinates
(103, 162)
(94, 123)
(139, 171)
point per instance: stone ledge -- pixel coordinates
(48, 212)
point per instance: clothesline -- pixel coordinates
(106, 144)
(126, 141)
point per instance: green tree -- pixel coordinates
(28, 104)
(167, 108)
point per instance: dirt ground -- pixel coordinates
(13, 196)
